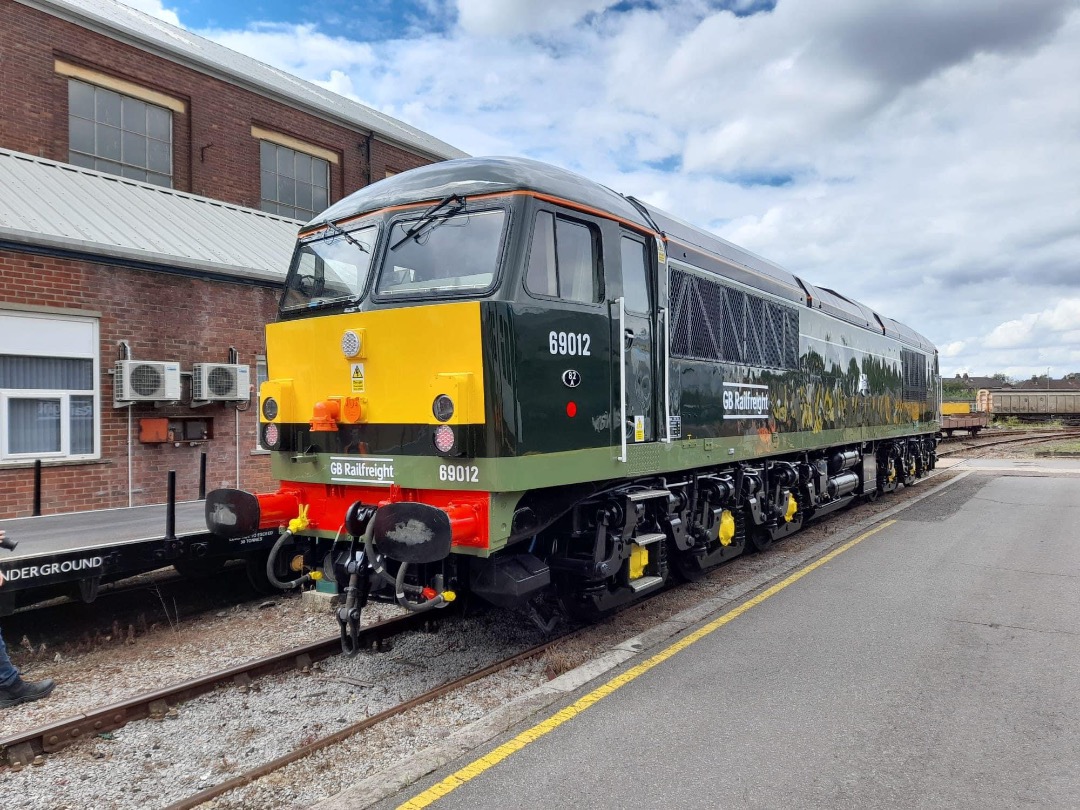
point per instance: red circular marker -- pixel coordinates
(571, 409)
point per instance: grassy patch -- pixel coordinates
(1066, 448)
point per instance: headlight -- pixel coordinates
(442, 407)
(444, 439)
(270, 409)
(271, 435)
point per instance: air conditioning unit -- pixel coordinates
(220, 382)
(146, 381)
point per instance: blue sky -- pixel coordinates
(923, 156)
(369, 21)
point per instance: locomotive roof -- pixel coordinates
(476, 176)
(470, 177)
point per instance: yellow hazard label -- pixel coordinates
(639, 428)
(357, 378)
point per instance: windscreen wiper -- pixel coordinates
(455, 202)
(330, 226)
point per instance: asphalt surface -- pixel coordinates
(934, 664)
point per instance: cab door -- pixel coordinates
(639, 330)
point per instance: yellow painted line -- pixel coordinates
(477, 767)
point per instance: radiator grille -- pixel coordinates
(712, 321)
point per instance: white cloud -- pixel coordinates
(920, 157)
(1058, 323)
(301, 50)
(507, 18)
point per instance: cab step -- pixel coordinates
(642, 583)
(647, 494)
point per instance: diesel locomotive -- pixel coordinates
(495, 377)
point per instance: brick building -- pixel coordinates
(95, 268)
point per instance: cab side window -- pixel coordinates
(563, 259)
(634, 279)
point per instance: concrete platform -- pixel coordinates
(97, 529)
(934, 663)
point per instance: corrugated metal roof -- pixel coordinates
(128, 24)
(55, 205)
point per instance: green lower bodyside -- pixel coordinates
(507, 479)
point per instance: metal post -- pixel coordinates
(37, 487)
(202, 476)
(170, 508)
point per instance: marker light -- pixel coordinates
(271, 435)
(350, 343)
(444, 438)
(270, 409)
(442, 407)
(571, 409)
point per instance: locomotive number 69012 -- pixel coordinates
(570, 343)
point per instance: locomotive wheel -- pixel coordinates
(576, 609)
(758, 539)
(685, 570)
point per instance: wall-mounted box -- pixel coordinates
(161, 430)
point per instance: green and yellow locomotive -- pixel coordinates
(495, 376)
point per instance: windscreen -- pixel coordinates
(442, 255)
(329, 268)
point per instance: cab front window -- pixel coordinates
(448, 254)
(329, 268)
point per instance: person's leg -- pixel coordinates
(13, 689)
(8, 673)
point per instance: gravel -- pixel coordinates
(212, 738)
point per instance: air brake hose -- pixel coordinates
(375, 560)
(297, 524)
(438, 600)
(272, 558)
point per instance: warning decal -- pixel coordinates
(358, 378)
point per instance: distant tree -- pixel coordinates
(957, 390)
(1001, 377)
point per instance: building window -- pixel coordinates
(118, 134)
(294, 184)
(49, 399)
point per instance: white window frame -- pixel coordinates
(28, 340)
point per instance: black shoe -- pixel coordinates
(23, 692)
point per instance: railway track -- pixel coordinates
(957, 445)
(338, 736)
(22, 748)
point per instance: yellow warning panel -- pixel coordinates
(639, 428)
(357, 378)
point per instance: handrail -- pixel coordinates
(667, 377)
(622, 376)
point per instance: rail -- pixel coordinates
(277, 764)
(21, 748)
